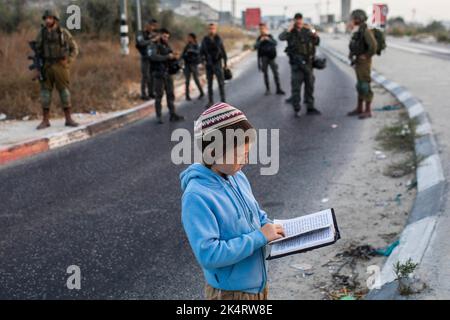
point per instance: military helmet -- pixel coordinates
(50, 13)
(359, 14)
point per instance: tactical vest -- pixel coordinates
(54, 45)
(301, 43)
(358, 45)
(161, 67)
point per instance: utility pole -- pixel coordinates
(138, 16)
(124, 39)
(233, 10)
(319, 13)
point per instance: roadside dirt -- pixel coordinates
(371, 208)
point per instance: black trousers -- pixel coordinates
(191, 69)
(265, 64)
(164, 83)
(217, 71)
(147, 85)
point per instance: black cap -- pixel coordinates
(298, 16)
(152, 21)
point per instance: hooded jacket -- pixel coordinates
(222, 221)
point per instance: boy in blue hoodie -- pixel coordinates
(226, 228)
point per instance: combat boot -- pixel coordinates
(367, 113)
(358, 110)
(313, 112)
(69, 120)
(280, 91)
(175, 117)
(45, 121)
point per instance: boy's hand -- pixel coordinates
(272, 232)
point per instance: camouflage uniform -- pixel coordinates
(301, 49)
(55, 46)
(363, 43)
(144, 43)
(163, 80)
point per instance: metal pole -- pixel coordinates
(138, 16)
(124, 39)
(233, 10)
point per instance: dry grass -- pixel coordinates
(101, 79)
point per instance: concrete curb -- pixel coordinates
(416, 235)
(32, 147)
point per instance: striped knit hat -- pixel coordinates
(218, 116)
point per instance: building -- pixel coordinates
(170, 4)
(274, 22)
(225, 17)
(192, 8)
(345, 9)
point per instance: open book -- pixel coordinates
(306, 233)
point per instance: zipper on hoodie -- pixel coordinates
(242, 203)
(246, 208)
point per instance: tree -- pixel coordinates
(434, 27)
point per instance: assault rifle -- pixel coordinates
(38, 61)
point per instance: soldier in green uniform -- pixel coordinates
(363, 46)
(301, 49)
(58, 49)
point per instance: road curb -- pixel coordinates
(421, 223)
(52, 141)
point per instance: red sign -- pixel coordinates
(252, 18)
(379, 15)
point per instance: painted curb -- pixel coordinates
(421, 223)
(52, 141)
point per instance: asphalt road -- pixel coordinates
(111, 205)
(441, 51)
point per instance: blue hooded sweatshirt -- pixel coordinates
(222, 221)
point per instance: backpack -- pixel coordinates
(381, 40)
(268, 50)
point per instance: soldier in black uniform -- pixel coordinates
(266, 46)
(144, 42)
(213, 52)
(161, 56)
(192, 58)
(301, 49)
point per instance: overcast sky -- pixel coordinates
(426, 10)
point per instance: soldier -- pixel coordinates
(144, 41)
(161, 57)
(301, 49)
(213, 52)
(59, 50)
(363, 46)
(267, 53)
(191, 56)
